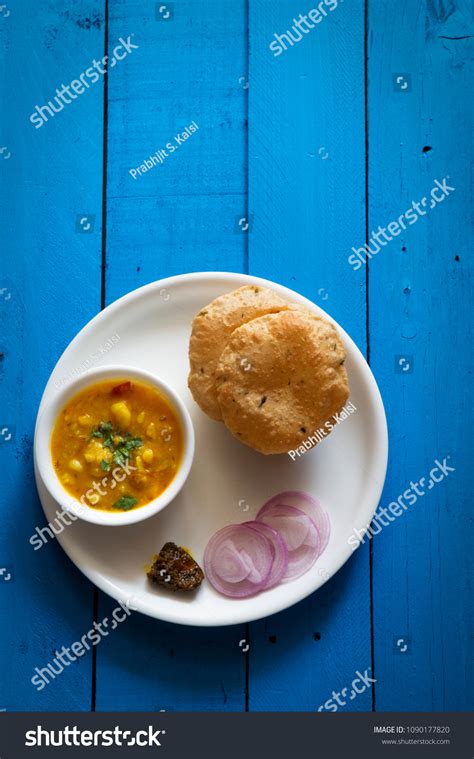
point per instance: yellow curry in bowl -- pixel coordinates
(117, 445)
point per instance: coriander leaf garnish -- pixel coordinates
(121, 444)
(125, 503)
(103, 429)
(118, 457)
(122, 451)
(106, 427)
(132, 443)
(104, 465)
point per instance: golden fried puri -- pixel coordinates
(211, 330)
(279, 378)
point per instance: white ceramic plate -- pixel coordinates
(149, 328)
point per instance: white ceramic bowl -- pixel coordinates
(43, 458)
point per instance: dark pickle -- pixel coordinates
(175, 569)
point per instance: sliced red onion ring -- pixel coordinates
(235, 565)
(238, 560)
(289, 534)
(299, 533)
(280, 549)
(311, 506)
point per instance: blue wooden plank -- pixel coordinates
(50, 178)
(307, 203)
(178, 216)
(420, 311)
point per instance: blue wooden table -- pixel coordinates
(303, 150)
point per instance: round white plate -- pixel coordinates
(149, 328)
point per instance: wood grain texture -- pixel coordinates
(53, 273)
(179, 216)
(306, 202)
(420, 307)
